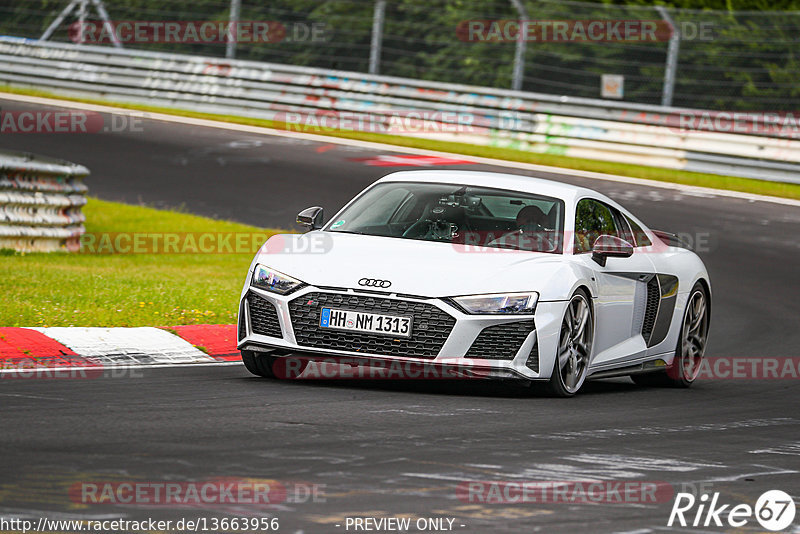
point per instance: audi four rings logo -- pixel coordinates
(372, 282)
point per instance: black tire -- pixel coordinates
(268, 366)
(556, 386)
(674, 376)
(259, 365)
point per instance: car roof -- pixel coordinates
(513, 182)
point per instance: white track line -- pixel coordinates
(691, 189)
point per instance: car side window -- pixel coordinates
(592, 219)
(380, 211)
(640, 238)
(621, 223)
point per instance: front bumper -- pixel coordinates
(495, 346)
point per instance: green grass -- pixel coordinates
(79, 289)
(732, 183)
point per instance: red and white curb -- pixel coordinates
(27, 349)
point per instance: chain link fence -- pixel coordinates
(723, 60)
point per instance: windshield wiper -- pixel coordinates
(349, 232)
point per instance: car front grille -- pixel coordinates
(263, 316)
(532, 362)
(500, 342)
(242, 319)
(650, 311)
(429, 330)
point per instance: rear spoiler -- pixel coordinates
(671, 240)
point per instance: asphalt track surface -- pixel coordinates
(383, 448)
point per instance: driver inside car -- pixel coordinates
(531, 219)
(531, 234)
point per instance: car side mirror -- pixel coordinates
(311, 217)
(609, 246)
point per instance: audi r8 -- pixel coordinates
(495, 275)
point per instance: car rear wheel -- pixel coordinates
(691, 346)
(574, 347)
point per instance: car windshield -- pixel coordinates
(473, 216)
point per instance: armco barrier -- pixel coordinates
(585, 128)
(40, 203)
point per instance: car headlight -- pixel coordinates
(275, 281)
(503, 303)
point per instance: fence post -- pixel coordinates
(101, 10)
(81, 21)
(519, 51)
(57, 22)
(377, 37)
(672, 58)
(233, 21)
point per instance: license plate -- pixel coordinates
(374, 323)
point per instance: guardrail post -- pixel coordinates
(233, 21)
(101, 10)
(519, 52)
(82, 9)
(57, 22)
(377, 37)
(81, 20)
(672, 57)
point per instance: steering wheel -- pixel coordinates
(535, 233)
(418, 228)
(427, 226)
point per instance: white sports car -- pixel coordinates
(488, 275)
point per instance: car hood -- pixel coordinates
(414, 267)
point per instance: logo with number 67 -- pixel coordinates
(775, 510)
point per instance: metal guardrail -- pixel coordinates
(577, 127)
(40, 203)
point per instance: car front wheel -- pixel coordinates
(259, 365)
(574, 347)
(269, 366)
